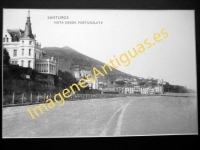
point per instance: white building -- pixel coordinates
(94, 85)
(78, 74)
(25, 51)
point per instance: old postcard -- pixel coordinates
(98, 73)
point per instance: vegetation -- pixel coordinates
(67, 78)
(6, 57)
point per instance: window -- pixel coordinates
(29, 52)
(15, 62)
(22, 63)
(44, 67)
(15, 52)
(22, 52)
(16, 38)
(29, 64)
(22, 42)
(30, 42)
(5, 39)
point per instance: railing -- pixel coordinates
(30, 98)
(23, 99)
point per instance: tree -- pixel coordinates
(6, 57)
(7, 73)
(120, 82)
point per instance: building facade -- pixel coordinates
(80, 73)
(25, 50)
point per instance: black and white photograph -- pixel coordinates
(98, 73)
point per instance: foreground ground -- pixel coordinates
(126, 116)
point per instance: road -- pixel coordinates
(125, 116)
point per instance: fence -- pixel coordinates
(32, 98)
(24, 98)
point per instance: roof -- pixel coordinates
(15, 33)
(28, 30)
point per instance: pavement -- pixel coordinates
(124, 116)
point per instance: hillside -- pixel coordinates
(69, 57)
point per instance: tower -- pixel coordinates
(28, 30)
(27, 46)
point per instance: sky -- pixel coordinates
(173, 59)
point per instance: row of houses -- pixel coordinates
(133, 90)
(139, 81)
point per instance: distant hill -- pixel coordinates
(69, 58)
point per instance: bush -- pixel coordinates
(7, 99)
